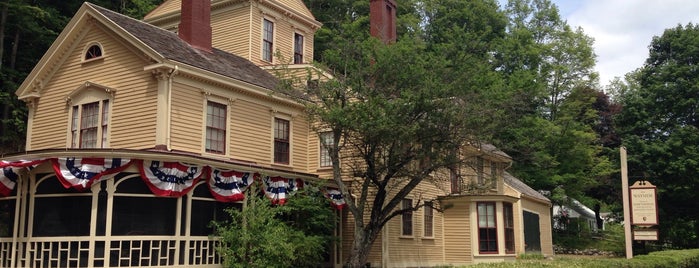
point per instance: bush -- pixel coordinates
(297, 234)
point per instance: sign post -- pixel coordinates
(625, 201)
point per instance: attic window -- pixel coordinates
(93, 52)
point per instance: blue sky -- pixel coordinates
(623, 29)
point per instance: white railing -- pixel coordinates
(115, 251)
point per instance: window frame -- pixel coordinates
(298, 47)
(509, 227)
(324, 159)
(267, 48)
(428, 219)
(488, 230)
(407, 221)
(277, 154)
(78, 131)
(224, 106)
(88, 54)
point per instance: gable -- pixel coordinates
(85, 22)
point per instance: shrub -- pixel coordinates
(297, 234)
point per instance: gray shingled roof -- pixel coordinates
(169, 45)
(523, 188)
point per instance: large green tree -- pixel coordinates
(659, 124)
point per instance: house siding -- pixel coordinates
(544, 212)
(187, 126)
(132, 123)
(417, 250)
(457, 233)
(230, 30)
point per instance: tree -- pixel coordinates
(265, 235)
(659, 126)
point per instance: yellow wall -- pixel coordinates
(132, 123)
(544, 212)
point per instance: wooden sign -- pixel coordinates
(651, 235)
(644, 205)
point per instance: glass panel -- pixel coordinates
(7, 217)
(144, 215)
(62, 216)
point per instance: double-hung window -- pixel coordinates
(428, 219)
(487, 228)
(509, 228)
(216, 115)
(281, 141)
(89, 125)
(407, 217)
(298, 48)
(267, 40)
(326, 142)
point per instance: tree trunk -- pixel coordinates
(360, 247)
(15, 47)
(3, 20)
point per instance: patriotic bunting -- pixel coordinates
(336, 199)
(278, 189)
(9, 174)
(169, 178)
(81, 173)
(229, 185)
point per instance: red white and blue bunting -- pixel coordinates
(10, 174)
(277, 189)
(81, 173)
(171, 179)
(229, 185)
(336, 199)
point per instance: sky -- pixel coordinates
(623, 29)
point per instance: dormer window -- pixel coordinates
(93, 52)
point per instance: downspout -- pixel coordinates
(168, 140)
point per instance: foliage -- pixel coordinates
(27, 31)
(264, 235)
(610, 240)
(661, 259)
(659, 126)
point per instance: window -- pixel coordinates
(215, 127)
(281, 141)
(267, 40)
(89, 125)
(407, 217)
(326, 142)
(429, 219)
(94, 51)
(509, 228)
(298, 48)
(455, 181)
(487, 230)
(479, 170)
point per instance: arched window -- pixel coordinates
(94, 51)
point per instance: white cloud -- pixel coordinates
(623, 29)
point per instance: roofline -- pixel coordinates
(224, 80)
(178, 156)
(86, 9)
(172, 15)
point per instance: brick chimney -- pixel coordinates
(195, 23)
(382, 20)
